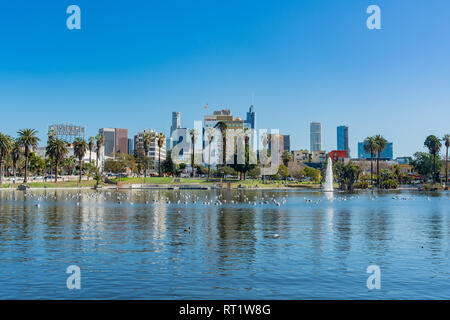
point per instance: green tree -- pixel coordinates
(79, 149)
(91, 146)
(210, 136)
(347, 175)
(283, 171)
(28, 139)
(381, 145)
(68, 164)
(168, 167)
(423, 164)
(100, 140)
(6, 146)
(446, 140)
(37, 164)
(434, 146)
(313, 174)
(16, 152)
(370, 146)
(286, 157)
(57, 150)
(160, 142)
(193, 133)
(222, 126)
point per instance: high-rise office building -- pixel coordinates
(386, 154)
(130, 147)
(109, 140)
(287, 142)
(251, 118)
(316, 136)
(121, 141)
(176, 121)
(342, 139)
(115, 140)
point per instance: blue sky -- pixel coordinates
(133, 62)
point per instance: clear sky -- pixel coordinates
(133, 62)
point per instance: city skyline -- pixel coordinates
(303, 63)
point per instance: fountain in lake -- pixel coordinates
(329, 177)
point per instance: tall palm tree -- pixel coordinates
(370, 146)
(100, 140)
(57, 150)
(434, 146)
(15, 156)
(210, 136)
(381, 145)
(222, 126)
(91, 146)
(147, 141)
(28, 139)
(266, 140)
(161, 139)
(446, 140)
(79, 149)
(6, 145)
(193, 133)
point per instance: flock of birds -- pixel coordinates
(182, 198)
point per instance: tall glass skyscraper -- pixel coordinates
(316, 136)
(251, 118)
(342, 139)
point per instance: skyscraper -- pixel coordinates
(251, 118)
(109, 142)
(316, 136)
(342, 139)
(286, 142)
(176, 121)
(121, 141)
(116, 140)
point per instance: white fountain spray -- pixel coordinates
(329, 177)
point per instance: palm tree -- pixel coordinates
(79, 149)
(100, 140)
(91, 146)
(266, 140)
(28, 139)
(446, 140)
(381, 145)
(434, 146)
(210, 135)
(57, 150)
(6, 145)
(194, 135)
(222, 126)
(161, 139)
(15, 156)
(286, 157)
(147, 141)
(370, 146)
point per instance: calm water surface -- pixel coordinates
(139, 249)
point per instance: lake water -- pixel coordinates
(299, 249)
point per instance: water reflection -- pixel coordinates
(222, 244)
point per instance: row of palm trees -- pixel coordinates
(57, 150)
(375, 146)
